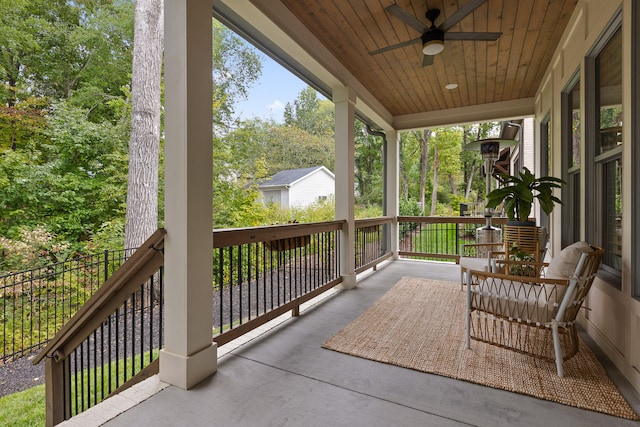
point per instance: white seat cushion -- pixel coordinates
(471, 263)
(564, 264)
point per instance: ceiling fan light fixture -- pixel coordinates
(433, 42)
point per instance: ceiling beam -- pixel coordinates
(495, 111)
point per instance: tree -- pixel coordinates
(310, 114)
(446, 144)
(368, 167)
(236, 67)
(144, 145)
(424, 152)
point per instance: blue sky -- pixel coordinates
(270, 93)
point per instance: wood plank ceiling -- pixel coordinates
(510, 68)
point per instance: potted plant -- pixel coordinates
(518, 193)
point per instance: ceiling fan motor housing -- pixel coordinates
(433, 42)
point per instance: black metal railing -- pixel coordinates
(120, 348)
(112, 341)
(371, 242)
(36, 303)
(438, 238)
(262, 272)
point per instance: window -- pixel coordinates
(571, 153)
(635, 149)
(604, 98)
(545, 160)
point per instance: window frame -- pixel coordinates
(593, 164)
(635, 148)
(570, 174)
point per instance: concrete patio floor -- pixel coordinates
(284, 378)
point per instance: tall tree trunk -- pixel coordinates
(452, 184)
(470, 180)
(424, 156)
(144, 144)
(434, 193)
(404, 183)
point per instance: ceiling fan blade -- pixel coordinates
(472, 36)
(395, 46)
(407, 18)
(468, 7)
(427, 60)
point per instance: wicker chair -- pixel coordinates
(532, 315)
(483, 256)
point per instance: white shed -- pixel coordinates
(299, 187)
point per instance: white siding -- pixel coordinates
(272, 196)
(310, 189)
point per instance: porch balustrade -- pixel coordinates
(259, 273)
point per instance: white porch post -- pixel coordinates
(392, 187)
(344, 99)
(189, 355)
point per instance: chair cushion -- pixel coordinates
(471, 263)
(564, 264)
(530, 303)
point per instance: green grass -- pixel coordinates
(438, 239)
(28, 407)
(25, 408)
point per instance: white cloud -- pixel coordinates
(276, 106)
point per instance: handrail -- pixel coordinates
(67, 361)
(237, 236)
(143, 263)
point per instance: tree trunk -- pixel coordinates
(470, 180)
(434, 193)
(404, 182)
(452, 184)
(144, 144)
(424, 156)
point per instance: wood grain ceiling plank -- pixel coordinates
(555, 30)
(409, 66)
(517, 47)
(481, 24)
(494, 19)
(543, 18)
(509, 68)
(384, 82)
(504, 50)
(531, 31)
(403, 64)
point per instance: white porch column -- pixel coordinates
(344, 99)
(189, 355)
(392, 186)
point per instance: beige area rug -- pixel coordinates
(419, 324)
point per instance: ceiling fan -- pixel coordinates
(432, 37)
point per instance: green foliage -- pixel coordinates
(235, 68)
(368, 167)
(410, 207)
(518, 194)
(30, 249)
(310, 114)
(367, 211)
(21, 127)
(318, 212)
(25, 408)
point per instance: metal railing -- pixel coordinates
(112, 341)
(36, 303)
(371, 242)
(438, 238)
(259, 273)
(263, 272)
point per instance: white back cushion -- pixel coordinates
(564, 264)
